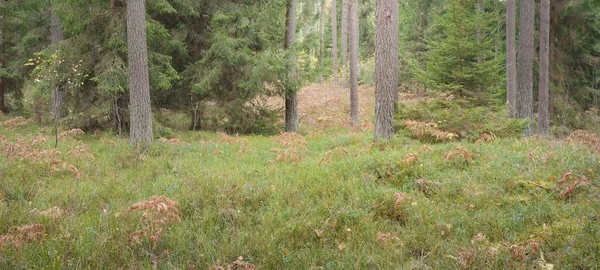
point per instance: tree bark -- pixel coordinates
(3, 107)
(480, 33)
(525, 63)
(353, 40)
(511, 58)
(544, 93)
(345, 20)
(322, 41)
(139, 84)
(334, 43)
(291, 98)
(386, 67)
(59, 93)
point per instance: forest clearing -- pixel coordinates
(299, 134)
(331, 199)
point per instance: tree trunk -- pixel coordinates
(322, 41)
(291, 98)
(334, 45)
(386, 67)
(2, 83)
(353, 40)
(525, 63)
(511, 58)
(59, 93)
(139, 84)
(345, 20)
(544, 95)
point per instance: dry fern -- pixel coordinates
(158, 213)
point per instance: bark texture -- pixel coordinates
(334, 43)
(353, 40)
(3, 107)
(140, 129)
(544, 93)
(511, 57)
(386, 67)
(59, 94)
(322, 41)
(525, 62)
(291, 98)
(345, 20)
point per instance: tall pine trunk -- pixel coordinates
(322, 41)
(386, 67)
(3, 107)
(345, 20)
(544, 95)
(511, 57)
(140, 125)
(353, 40)
(291, 98)
(59, 93)
(334, 43)
(525, 63)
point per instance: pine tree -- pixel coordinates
(524, 104)
(139, 84)
(544, 95)
(291, 98)
(353, 42)
(511, 57)
(334, 43)
(386, 67)
(345, 34)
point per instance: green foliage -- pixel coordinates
(461, 59)
(469, 122)
(241, 66)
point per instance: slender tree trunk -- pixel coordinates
(3, 107)
(480, 33)
(291, 98)
(345, 20)
(60, 92)
(353, 40)
(139, 84)
(544, 94)
(334, 45)
(322, 41)
(525, 64)
(511, 57)
(386, 67)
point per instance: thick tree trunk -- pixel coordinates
(291, 98)
(544, 94)
(59, 93)
(334, 45)
(353, 40)
(386, 67)
(139, 84)
(345, 20)
(511, 58)
(525, 63)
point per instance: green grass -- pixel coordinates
(304, 215)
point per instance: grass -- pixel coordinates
(327, 200)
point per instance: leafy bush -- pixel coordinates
(455, 117)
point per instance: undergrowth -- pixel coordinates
(329, 201)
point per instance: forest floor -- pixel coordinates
(329, 198)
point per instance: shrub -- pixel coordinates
(457, 117)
